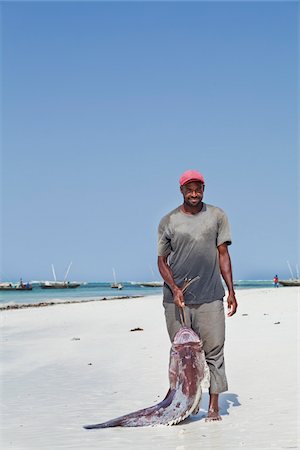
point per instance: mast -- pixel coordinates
(114, 275)
(152, 271)
(67, 272)
(289, 266)
(53, 271)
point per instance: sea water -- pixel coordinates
(97, 291)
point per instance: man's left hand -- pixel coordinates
(232, 304)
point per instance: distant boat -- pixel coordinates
(15, 287)
(116, 285)
(150, 283)
(60, 284)
(294, 282)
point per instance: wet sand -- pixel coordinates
(74, 364)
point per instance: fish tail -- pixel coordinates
(108, 424)
(140, 418)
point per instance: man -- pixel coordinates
(192, 243)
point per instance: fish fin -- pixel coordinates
(205, 382)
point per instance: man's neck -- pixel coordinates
(192, 210)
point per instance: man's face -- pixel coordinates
(192, 193)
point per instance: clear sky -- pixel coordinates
(105, 104)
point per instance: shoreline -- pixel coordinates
(64, 302)
(41, 304)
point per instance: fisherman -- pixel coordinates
(193, 244)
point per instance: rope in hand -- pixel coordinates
(186, 284)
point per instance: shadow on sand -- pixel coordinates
(226, 401)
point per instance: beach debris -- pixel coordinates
(244, 314)
(137, 329)
(276, 323)
(188, 372)
(75, 339)
(90, 364)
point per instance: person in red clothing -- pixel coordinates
(275, 281)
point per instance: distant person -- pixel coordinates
(276, 284)
(21, 283)
(192, 243)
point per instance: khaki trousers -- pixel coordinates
(208, 321)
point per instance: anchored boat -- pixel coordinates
(60, 284)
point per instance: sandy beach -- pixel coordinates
(68, 365)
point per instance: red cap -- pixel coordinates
(190, 175)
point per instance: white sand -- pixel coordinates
(49, 390)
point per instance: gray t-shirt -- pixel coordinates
(190, 242)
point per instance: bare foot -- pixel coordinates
(213, 415)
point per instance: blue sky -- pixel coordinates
(105, 104)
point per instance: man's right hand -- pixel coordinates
(178, 297)
(167, 275)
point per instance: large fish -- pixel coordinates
(187, 371)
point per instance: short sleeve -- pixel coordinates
(164, 239)
(224, 234)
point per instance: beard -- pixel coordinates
(193, 202)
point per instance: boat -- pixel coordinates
(15, 287)
(60, 284)
(294, 282)
(116, 285)
(150, 283)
